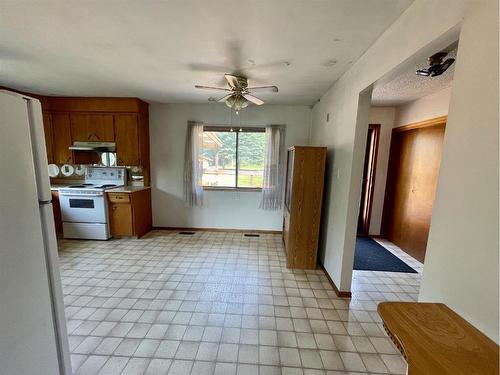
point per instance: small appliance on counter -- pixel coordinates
(84, 207)
(136, 176)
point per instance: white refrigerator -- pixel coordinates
(33, 336)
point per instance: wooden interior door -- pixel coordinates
(414, 162)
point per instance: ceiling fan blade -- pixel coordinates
(263, 88)
(236, 82)
(210, 88)
(231, 80)
(224, 98)
(253, 99)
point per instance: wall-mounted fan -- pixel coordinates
(436, 65)
(239, 94)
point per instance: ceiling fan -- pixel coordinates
(436, 65)
(239, 94)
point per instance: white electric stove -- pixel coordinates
(84, 207)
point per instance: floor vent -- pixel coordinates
(187, 233)
(251, 235)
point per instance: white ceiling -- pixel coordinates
(408, 86)
(158, 50)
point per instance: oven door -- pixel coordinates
(83, 208)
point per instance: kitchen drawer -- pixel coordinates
(119, 197)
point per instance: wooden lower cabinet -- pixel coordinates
(56, 208)
(130, 213)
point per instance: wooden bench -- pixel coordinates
(435, 340)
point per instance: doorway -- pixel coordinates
(368, 181)
(414, 162)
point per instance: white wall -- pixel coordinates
(461, 266)
(346, 151)
(346, 137)
(385, 117)
(221, 209)
(425, 108)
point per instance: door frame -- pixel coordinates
(365, 205)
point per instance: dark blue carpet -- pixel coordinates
(370, 256)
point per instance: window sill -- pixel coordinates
(217, 188)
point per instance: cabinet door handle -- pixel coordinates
(95, 135)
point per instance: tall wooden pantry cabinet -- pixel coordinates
(305, 175)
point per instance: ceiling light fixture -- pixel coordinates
(236, 102)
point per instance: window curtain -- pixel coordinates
(274, 162)
(193, 190)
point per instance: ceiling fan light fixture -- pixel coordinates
(237, 103)
(230, 101)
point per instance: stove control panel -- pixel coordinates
(88, 192)
(106, 175)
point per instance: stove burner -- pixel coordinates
(105, 186)
(77, 186)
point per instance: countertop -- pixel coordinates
(128, 189)
(55, 187)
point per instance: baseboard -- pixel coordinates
(194, 229)
(337, 291)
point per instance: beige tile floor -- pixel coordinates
(220, 303)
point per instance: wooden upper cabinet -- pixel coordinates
(127, 139)
(61, 138)
(92, 127)
(124, 121)
(49, 136)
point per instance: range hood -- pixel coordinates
(93, 146)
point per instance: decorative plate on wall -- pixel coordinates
(67, 170)
(53, 170)
(80, 170)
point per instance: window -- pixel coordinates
(233, 159)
